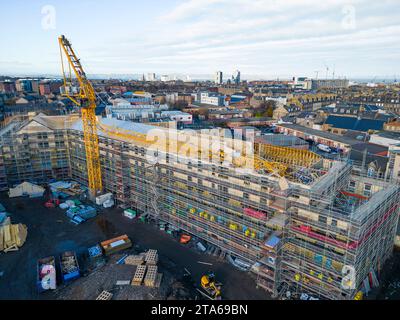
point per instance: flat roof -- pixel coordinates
(319, 133)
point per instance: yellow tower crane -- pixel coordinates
(83, 96)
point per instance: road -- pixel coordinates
(50, 233)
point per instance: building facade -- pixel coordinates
(218, 79)
(300, 233)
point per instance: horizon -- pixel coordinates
(264, 39)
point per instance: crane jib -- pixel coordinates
(85, 98)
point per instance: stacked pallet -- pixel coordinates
(105, 295)
(134, 260)
(139, 275)
(12, 237)
(151, 276)
(151, 257)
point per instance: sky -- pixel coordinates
(264, 39)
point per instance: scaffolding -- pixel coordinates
(329, 233)
(296, 230)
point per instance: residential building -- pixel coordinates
(178, 116)
(212, 98)
(393, 126)
(44, 88)
(282, 111)
(393, 165)
(298, 230)
(7, 86)
(23, 85)
(353, 123)
(178, 96)
(328, 83)
(151, 77)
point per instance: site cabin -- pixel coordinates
(69, 266)
(46, 274)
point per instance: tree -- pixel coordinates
(179, 105)
(265, 109)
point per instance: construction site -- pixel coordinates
(300, 224)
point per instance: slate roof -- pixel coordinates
(354, 123)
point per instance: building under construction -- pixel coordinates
(303, 224)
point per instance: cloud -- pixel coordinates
(271, 37)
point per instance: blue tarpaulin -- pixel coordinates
(272, 241)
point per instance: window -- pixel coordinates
(334, 223)
(322, 219)
(246, 195)
(367, 190)
(352, 186)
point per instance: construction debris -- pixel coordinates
(12, 236)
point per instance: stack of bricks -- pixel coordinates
(134, 260)
(151, 257)
(139, 275)
(151, 275)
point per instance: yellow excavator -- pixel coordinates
(211, 288)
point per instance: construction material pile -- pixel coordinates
(62, 189)
(135, 260)
(146, 273)
(105, 200)
(78, 212)
(12, 236)
(116, 244)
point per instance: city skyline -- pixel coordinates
(263, 39)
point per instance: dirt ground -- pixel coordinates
(390, 279)
(50, 233)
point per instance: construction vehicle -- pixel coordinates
(359, 295)
(210, 286)
(84, 97)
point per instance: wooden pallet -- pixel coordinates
(12, 236)
(105, 295)
(139, 275)
(134, 260)
(151, 275)
(151, 257)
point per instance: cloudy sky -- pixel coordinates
(261, 38)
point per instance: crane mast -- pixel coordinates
(83, 96)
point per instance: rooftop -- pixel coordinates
(319, 133)
(355, 123)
